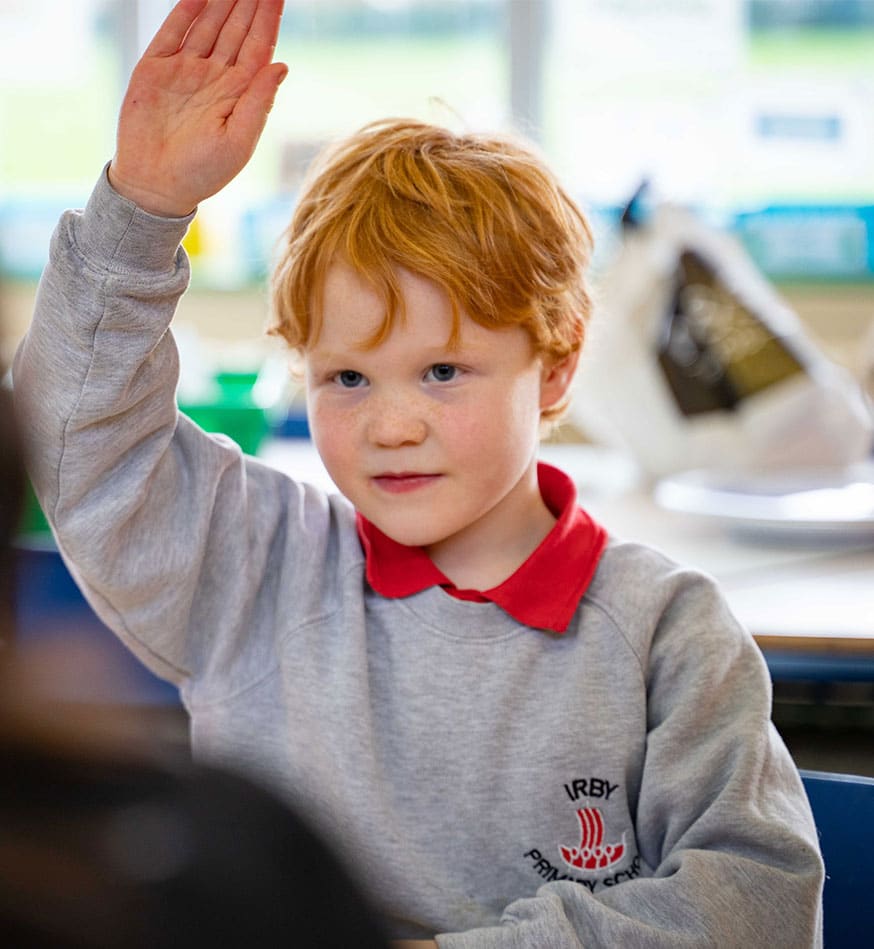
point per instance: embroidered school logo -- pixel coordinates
(592, 863)
(592, 853)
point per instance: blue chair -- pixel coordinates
(843, 808)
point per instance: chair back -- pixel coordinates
(843, 809)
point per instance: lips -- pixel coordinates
(404, 481)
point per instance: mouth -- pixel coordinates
(402, 482)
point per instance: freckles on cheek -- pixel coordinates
(330, 430)
(464, 432)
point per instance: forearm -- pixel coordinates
(103, 305)
(711, 902)
(95, 376)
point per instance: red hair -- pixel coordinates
(481, 216)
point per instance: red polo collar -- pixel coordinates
(543, 593)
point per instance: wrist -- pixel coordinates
(149, 201)
(120, 237)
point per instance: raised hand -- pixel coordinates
(197, 103)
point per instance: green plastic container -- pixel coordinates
(33, 521)
(232, 411)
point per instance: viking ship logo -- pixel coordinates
(592, 853)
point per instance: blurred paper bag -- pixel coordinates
(695, 361)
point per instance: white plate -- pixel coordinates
(832, 502)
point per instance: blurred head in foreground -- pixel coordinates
(107, 844)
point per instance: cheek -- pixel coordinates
(501, 423)
(518, 412)
(331, 432)
(463, 431)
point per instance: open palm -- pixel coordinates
(197, 103)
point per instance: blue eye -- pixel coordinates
(350, 379)
(443, 372)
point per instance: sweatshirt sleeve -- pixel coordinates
(167, 530)
(724, 831)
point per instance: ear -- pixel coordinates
(556, 379)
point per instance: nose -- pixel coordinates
(396, 420)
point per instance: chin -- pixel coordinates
(410, 535)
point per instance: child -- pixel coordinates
(520, 733)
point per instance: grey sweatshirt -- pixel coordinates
(496, 785)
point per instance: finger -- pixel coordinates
(172, 31)
(260, 43)
(205, 31)
(234, 32)
(249, 117)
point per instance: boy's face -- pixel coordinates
(435, 446)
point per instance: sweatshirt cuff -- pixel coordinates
(125, 238)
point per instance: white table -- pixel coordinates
(810, 597)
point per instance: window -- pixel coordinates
(757, 111)
(734, 105)
(59, 91)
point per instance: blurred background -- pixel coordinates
(754, 116)
(755, 111)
